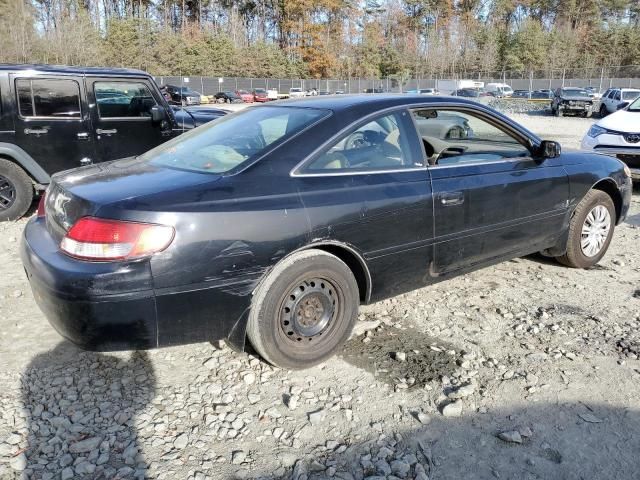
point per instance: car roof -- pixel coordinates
(70, 70)
(372, 101)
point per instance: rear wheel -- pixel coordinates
(304, 310)
(590, 230)
(603, 111)
(16, 191)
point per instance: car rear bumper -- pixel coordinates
(109, 306)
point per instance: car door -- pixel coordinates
(121, 117)
(52, 121)
(371, 190)
(492, 200)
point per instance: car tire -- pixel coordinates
(603, 111)
(558, 112)
(303, 310)
(16, 191)
(591, 206)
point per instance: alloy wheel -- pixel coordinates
(7, 193)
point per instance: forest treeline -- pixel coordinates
(322, 38)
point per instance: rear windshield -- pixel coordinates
(630, 95)
(226, 143)
(575, 92)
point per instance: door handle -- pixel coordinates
(451, 199)
(36, 131)
(82, 136)
(100, 131)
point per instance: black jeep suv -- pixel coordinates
(55, 118)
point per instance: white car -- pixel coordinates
(296, 92)
(614, 97)
(618, 135)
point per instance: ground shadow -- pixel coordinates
(68, 396)
(569, 441)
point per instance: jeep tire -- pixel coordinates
(16, 191)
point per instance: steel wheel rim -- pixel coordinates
(595, 231)
(308, 310)
(7, 193)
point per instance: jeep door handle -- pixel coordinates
(82, 136)
(451, 199)
(36, 131)
(100, 131)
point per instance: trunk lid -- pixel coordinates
(84, 191)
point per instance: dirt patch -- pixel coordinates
(404, 357)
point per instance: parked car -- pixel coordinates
(542, 95)
(521, 94)
(618, 135)
(228, 97)
(571, 101)
(296, 92)
(182, 95)
(373, 90)
(324, 92)
(339, 92)
(246, 96)
(260, 95)
(192, 117)
(499, 89)
(424, 91)
(593, 92)
(471, 93)
(614, 97)
(274, 224)
(54, 118)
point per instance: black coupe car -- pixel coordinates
(275, 223)
(227, 97)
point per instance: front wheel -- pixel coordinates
(590, 230)
(304, 310)
(16, 191)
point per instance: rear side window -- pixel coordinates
(123, 99)
(227, 143)
(48, 98)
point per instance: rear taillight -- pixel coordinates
(99, 239)
(41, 204)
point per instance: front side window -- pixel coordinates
(123, 99)
(48, 98)
(226, 143)
(452, 137)
(378, 145)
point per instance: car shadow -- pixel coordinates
(558, 440)
(67, 404)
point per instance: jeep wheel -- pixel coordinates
(16, 191)
(304, 310)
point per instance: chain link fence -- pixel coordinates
(599, 77)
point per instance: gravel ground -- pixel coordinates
(525, 370)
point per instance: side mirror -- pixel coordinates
(549, 149)
(622, 105)
(157, 114)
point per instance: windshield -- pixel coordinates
(575, 92)
(630, 94)
(635, 106)
(221, 145)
